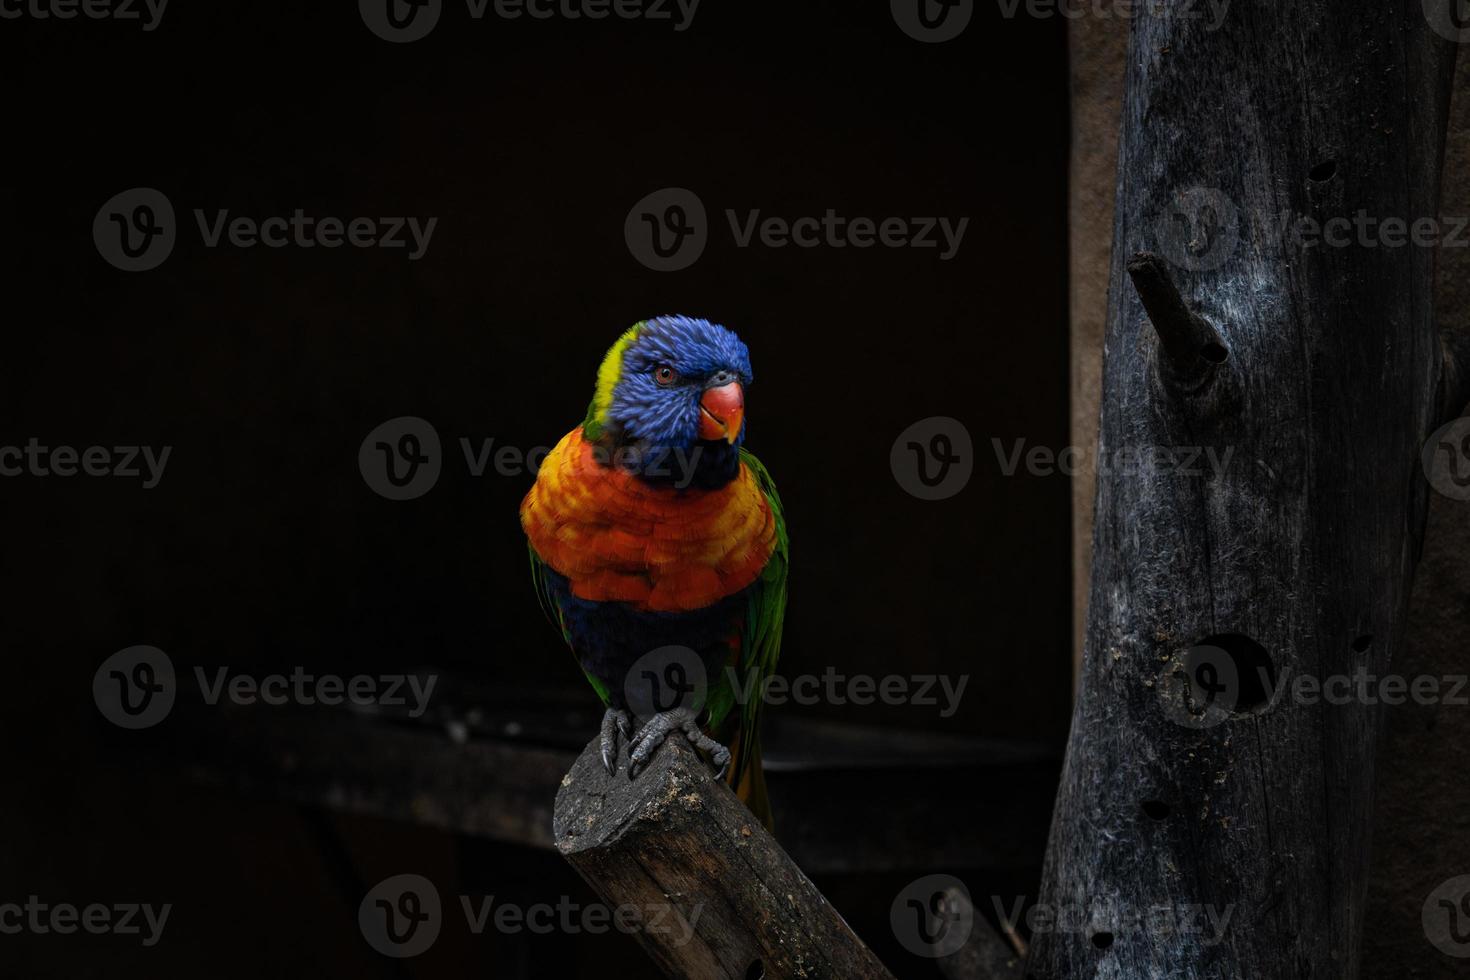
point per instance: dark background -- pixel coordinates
(262, 548)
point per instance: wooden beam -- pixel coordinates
(488, 764)
(985, 954)
(678, 846)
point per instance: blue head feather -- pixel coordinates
(632, 409)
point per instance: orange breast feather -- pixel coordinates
(616, 538)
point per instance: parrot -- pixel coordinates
(652, 528)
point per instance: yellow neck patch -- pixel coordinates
(608, 374)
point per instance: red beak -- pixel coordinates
(721, 412)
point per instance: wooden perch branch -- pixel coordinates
(678, 846)
(985, 955)
(1190, 347)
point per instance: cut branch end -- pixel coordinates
(1189, 346)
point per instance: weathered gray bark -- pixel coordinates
(1196, 779)
(1422, 827)
(731, 903)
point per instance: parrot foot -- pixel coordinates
(615, 722)
(664, 724)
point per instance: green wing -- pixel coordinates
(554, 616)
(760, 645)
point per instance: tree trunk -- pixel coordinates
(1422, 822)
(1263, 524)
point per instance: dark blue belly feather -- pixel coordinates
(609, 637)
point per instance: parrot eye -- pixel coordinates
(665, 375)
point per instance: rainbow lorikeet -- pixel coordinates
(652, 529)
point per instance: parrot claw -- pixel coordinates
(660, 726)
(614, 722)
